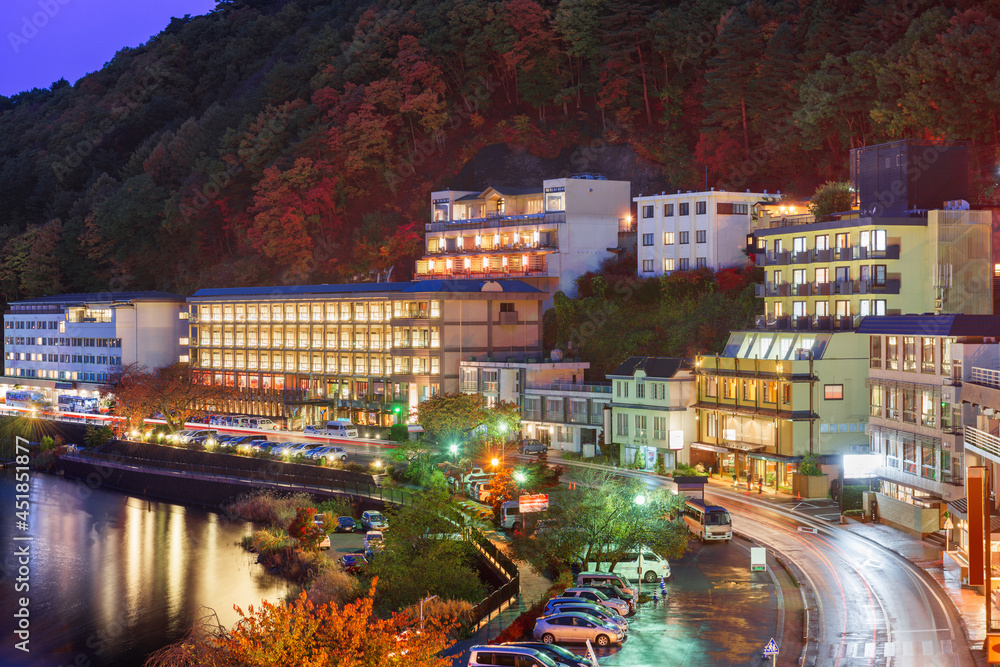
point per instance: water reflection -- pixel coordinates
(114, 577)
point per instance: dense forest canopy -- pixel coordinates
(297, 140)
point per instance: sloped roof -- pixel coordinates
(931, 325)
(654, 367)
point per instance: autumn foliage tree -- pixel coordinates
(453, 418)
(305, 529)
(302, 634)
(140, 392)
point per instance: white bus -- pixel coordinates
(24, 398)
(77, 404)
(709, 523)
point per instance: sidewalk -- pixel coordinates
(928, 557)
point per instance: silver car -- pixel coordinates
(575, 626)
(594, 595)
(556, 605)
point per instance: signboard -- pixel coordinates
(650, 458)
(771, 648)
(992, 648)
(536, 503)
(677, 440)
(758, 560)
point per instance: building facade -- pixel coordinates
(692, 230)
(546, 236)
(367, 351)
(69, 344)
(916, 378)
(557, 407)
(651, 417)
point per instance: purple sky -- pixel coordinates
(45, 40)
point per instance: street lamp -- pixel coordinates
(495, 461)
(427, 599)
(454, 452)
(519, 477)
(640, 499)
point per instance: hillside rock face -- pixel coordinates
(504, 164)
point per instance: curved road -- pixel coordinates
(868, 606)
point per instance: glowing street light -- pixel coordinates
(520, 477)
(495, 462)
(640, 499)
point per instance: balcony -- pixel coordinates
(826, 255)
(480, 273)
(588, 388)
(497, 221)
(490, 248)
(801, 257)
(982, 443)
(801, 289)
(777, 323)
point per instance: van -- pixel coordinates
(339, 429)
(522, 656)
(510, 515)
(640, 564)
(593, 578)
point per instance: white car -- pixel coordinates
(374, 538)
(327, 453)
(597, 597)
(320, 520)
(267, 425)
(314, 430)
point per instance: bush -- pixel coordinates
(572, 456)
(268, 507)
(399, 433)
(810, 466)
(852, 498)
(334, 586)
(97, 436)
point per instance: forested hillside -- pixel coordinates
(298, 140)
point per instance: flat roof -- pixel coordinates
(655, 367)
(410, 287)
(91, 297)
(931, 325)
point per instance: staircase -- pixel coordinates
(937, 539)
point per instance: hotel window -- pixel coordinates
(375, 340)
(251, 312)
(241, 337)
(833, 392)
(701, 236)
(251, 361)
(891, 353)
(700, 207)
(946, 358)
(375, 365)
(891, 404)
(303, 312)
(554, 201)
(799, 309)
(822, 242)
(331, 339)
(345, 311)
(647, 239)
(317, 337)
(435, 309)
(822, 275)
(375, 311)
(240, 360)
(711, 425)
(290, 337)
(749, 390)
(622, 424)
(878, 307)
(843, 308)
(799, 244)
(647, 266)
(640, 390)
(331, 312)
(216, 359)
(799, 276)
(216, 315)
(668, 238)
(345, 339)
(927, 355)
(360, 312)
(289, 312)
(276, 312)
(770, 388)
(822, 308)
(729, 388)
(843, 240)
(878, 270)
(317, 363)
(647, 211)
(685, 237)
(928, 416)
(711, 387)
(909, 404)
(875, 352)
(909, 353)
(359, 365)
(683, 209)
(875, 395)
(668, 264)
(345, 365)
(289, 361)
(878, 240)
(435, 337)
(701, 262)
(265, 337)
(684, 264)
(786, 392)
(668, 210)
(331, 364)
(316, 310)
(640, 426)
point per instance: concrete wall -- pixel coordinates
(906, 517)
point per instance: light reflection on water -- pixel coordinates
(114, 577)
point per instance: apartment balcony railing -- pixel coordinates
(502, 247)
(480, 273)
(848, 254)
(497, 221)
(807, 322)
(534, 415)
(982, 443)
(590, 388)
(986, 376)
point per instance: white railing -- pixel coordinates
(986, 376)
(986, 444)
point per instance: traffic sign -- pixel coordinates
(771, 648)
(533, 503)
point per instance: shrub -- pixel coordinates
(448, 612)
(333, 507)
(399, 433)
(334, 586)
(810, 466)
(268, 507)
(852, 499)
(572, 456)
(97, 436)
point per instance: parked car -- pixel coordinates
(345, 524)
(341, 429)
(373, 537)
(594, 595)
(199, 437)
(265, 424)
(327, 453)
(628, 566)
(293, 448)
(558, 654)
(353, 563)
(176, 437)
(523, 656)
(596, 579)
(574, 626)
(320, 520)
(576, 604)
(614, 592)
(314, 430)
(373, 520)
(531, 447)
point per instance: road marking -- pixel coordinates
(890, 649)
(870, 650)
(928, 647)
(809, 505)
(946, 647)
(808, 529)
(833, 518)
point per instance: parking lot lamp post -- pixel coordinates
(427, 599)
(454, 452)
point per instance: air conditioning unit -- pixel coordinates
(860, 449)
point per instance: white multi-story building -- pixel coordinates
(692, 230)
(70, 343)
(557, 407)
(546, 236)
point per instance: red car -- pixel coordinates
(353, 563)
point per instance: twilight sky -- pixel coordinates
(42, 41)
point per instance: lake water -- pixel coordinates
(114, 577)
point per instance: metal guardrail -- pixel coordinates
(986, 376)
(483, 611)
